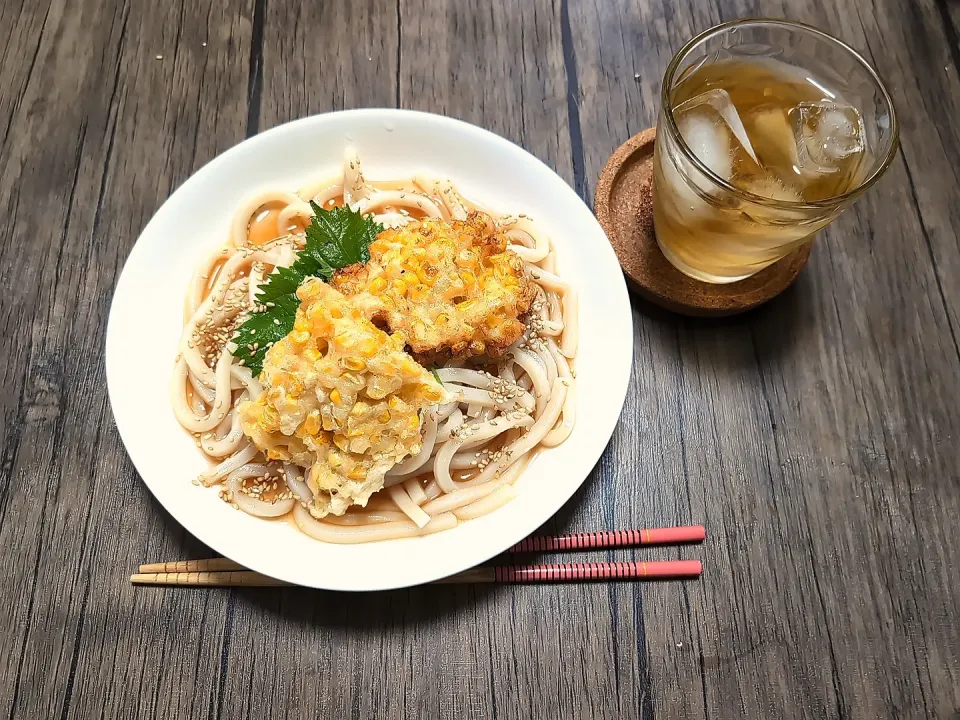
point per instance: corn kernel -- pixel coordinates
(418, 292)
(336, 313)
(300, 337)
(399, 287)
(358, 473)
(335, 397)
(383, 418)
(355, 364)
(442, 319)
(269, 419)
(367, 347)
(377, 285)
(312, 424)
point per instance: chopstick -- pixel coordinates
(562, 572)
(222, 572)
(611, 539)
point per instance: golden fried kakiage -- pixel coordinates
(340, 397)
(451, 288)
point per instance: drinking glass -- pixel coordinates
(709, 227)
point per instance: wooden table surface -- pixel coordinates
(818, 438)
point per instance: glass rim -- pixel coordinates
(689, 155)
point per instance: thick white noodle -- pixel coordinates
(415, 491)
(218, 472)
(487, 504)
(252, 505)
(398, 493)
(332, 533)
(228, 440)
(296, 483)
(537, 374)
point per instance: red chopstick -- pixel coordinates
(574, 572)
(611, 539)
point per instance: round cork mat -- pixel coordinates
(624, 207)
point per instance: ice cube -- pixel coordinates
(706, 117)
(826, 132)
(708, 141)
(772, 188)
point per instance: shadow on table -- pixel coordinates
(774, 328)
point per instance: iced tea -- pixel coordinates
(771, 152)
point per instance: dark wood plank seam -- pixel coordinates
(491, 640)
(58, 437)
(12, 440)
(179, 33)
(609, 504)
(573, 101)
(643, 660)
(28, 622)
(950, 32)
(225, 652)
(923, 572)
(78, 636)
(200, 643)
(834, 665)
(82, 616)
(196, 129)
(26, 81)
(933, 262)
(78, 158)
(399, 51)
(686, 481)
(701, 661)
(255, 73)
(113, 130)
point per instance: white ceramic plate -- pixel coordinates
(146, 320)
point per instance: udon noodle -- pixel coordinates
(473, 448)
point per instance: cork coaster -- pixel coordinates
(624, 207)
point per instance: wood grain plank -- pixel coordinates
(808, 436)
(328, 56)
(101, 131)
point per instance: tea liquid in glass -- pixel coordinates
(769, 129)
